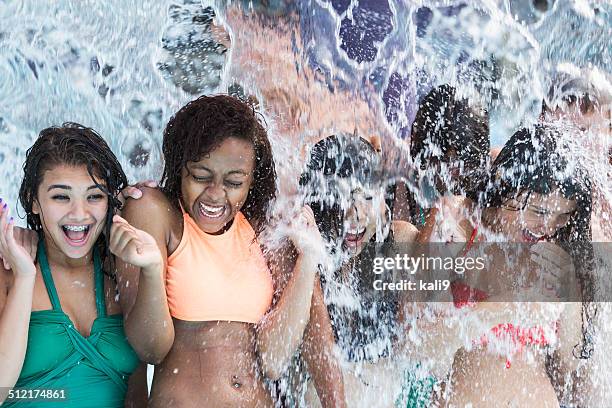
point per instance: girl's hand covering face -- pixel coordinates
(15, 256)
(555, 266)
(133, 246)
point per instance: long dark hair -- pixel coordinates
(75, 145)
(537, 161)
(202, 125)
(446, 124)
(332, 159)
(349, 158)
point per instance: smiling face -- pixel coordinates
(596, 118)
(360, 220)
(72, 210)
(216, 187)
(534, 218)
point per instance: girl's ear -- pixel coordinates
(35, 207)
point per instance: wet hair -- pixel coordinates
(200, 127)
(333, 159)
(74, 145)
(447, 126)
(352, 159)
(567, 92)
(586, 103)
(537, 161)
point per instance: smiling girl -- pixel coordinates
(538, 198)
(61, 326)
(342, 182)
(235, 312)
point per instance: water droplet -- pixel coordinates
(139, 156)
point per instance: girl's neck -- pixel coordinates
(59, 259)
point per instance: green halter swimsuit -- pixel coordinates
(92, 370)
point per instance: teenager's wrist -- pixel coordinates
(153, 271)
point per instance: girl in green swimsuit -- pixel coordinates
(61, 327)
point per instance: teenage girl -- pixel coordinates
(536, 199)
(231, 313)
(61, 326)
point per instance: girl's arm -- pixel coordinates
(317, 351)
(140, 242)
(571, 388)
(280, 332)
(15, 304)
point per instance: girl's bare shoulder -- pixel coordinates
(403, 231)
(155, 214)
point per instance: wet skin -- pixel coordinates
(479, 376)
(360, 219)
(211, 363)
(535, 217)
(215, 187)
(68, 198)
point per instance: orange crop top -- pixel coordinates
(218, 277)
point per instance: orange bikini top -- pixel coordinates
(218, 277)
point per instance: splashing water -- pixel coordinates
(315, 67)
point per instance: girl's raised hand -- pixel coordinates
(28, 239)
(304, 232)
(555, 266)
(14, 255)
(134, 246)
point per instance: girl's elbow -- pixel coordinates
(156, 351)
(164, 348)
(272, 370)
(273, 361)
(154, 356)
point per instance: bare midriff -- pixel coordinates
(211, 364)
(483, 379)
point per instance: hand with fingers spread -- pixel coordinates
(134, 191)
(304, 232)
(14, 255)
(555, 266)
(134, 246)
(28, 239)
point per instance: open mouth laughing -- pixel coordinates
(76, 235)
(354, 236)
(532, 237)
(212, 212)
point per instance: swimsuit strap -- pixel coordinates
(99, 282)
(84, 348)
(52, 291)
(46, 274)
(470, 243)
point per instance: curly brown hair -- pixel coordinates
(201, 126)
